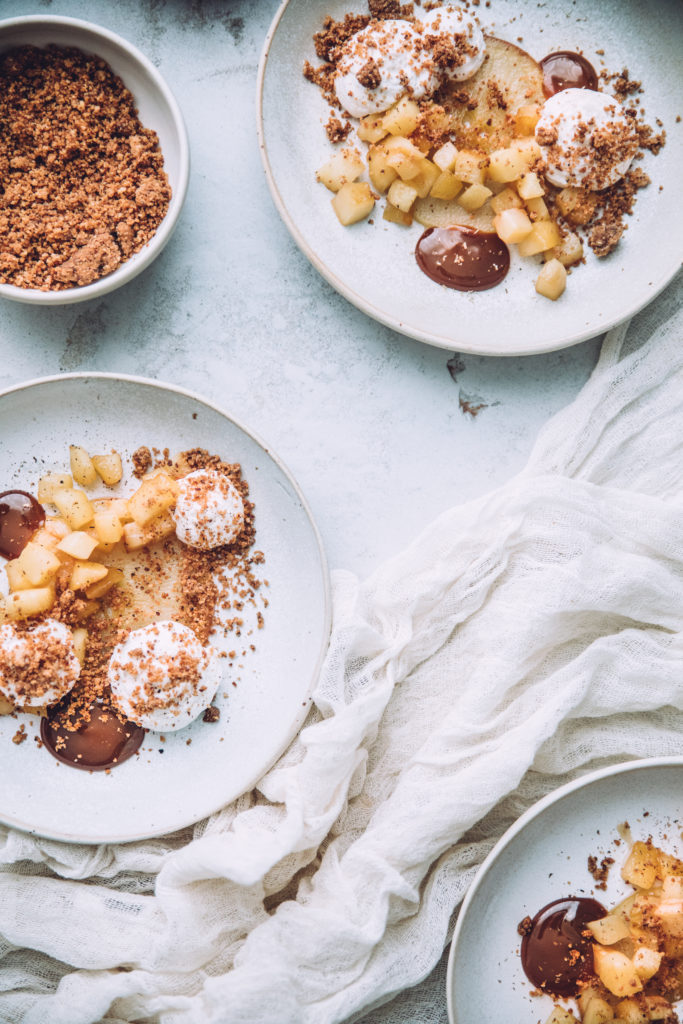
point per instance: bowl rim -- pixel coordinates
(140, 260)
(556, 795)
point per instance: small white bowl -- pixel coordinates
(157, 110)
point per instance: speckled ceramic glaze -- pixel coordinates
(543, 857)
(171, 784)
(374, 266)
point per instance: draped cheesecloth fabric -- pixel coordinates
(521, 639)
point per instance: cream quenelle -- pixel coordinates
(38, 665)
(161, 677)
(586, 139)
(209, 510)
(393, 58)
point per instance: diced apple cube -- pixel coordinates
(153, 496)
(569, 250)
(135, 537)
(640, 867)
(560, 1015)
(529, 187)
(6, 706)
(544, 235)
(25, 603)
(381, 174)
(38, 564)
(526, 119)
(51, 482)
(446, 186)
(610, 929)
(45, 538)
(109, 468)
(537, 209)
(422, 182)
(396, 216)
(74, 506)
(577, 205)
(404, 157)
(506, 199)
(585, 995)
(470, 166)
(345, 166)
(85, 573)
(16, 577)
(116, 506)
(658, 1008)
(474, 197)
(672, 888)
(353, 202)
(371, 128)
(669, 914)
(552, 280)
(79, 545)
(403, 118)
(598, 1011)
(402, 195)
(646, 962)
(633, 1011)
(108, 528)
(528, 149)
(56, 526)
(616, 971)
(82, 468)
(512, 225)
(444, 158)
(101, 587)
(506, 164)
(80, 642)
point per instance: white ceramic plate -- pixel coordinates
(155, 793)
(374, 266)
(544, 857)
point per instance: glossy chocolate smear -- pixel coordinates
(20, 516)
(463, 258)
(103, 742)
(566, 70)
(557, 949)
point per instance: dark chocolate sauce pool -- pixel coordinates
(566, 70)
(550, 947)
(103, 742)
(463, 258)
(20, 516)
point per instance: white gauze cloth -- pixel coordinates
(521, 639)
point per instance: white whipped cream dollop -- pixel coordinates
(586, 139)
(401, 57)
(394, 47)
(209, 511)
(464, 31)
(38, 666)
(161, 677)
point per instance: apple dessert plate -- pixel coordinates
(373, 264)
(543, 857)
(195, 771)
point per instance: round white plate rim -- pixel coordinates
(141, 260)
(437, 340)
(533, 812)
(327, 610)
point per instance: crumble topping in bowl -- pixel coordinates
(83, 182)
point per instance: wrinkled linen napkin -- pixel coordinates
(523, 638)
